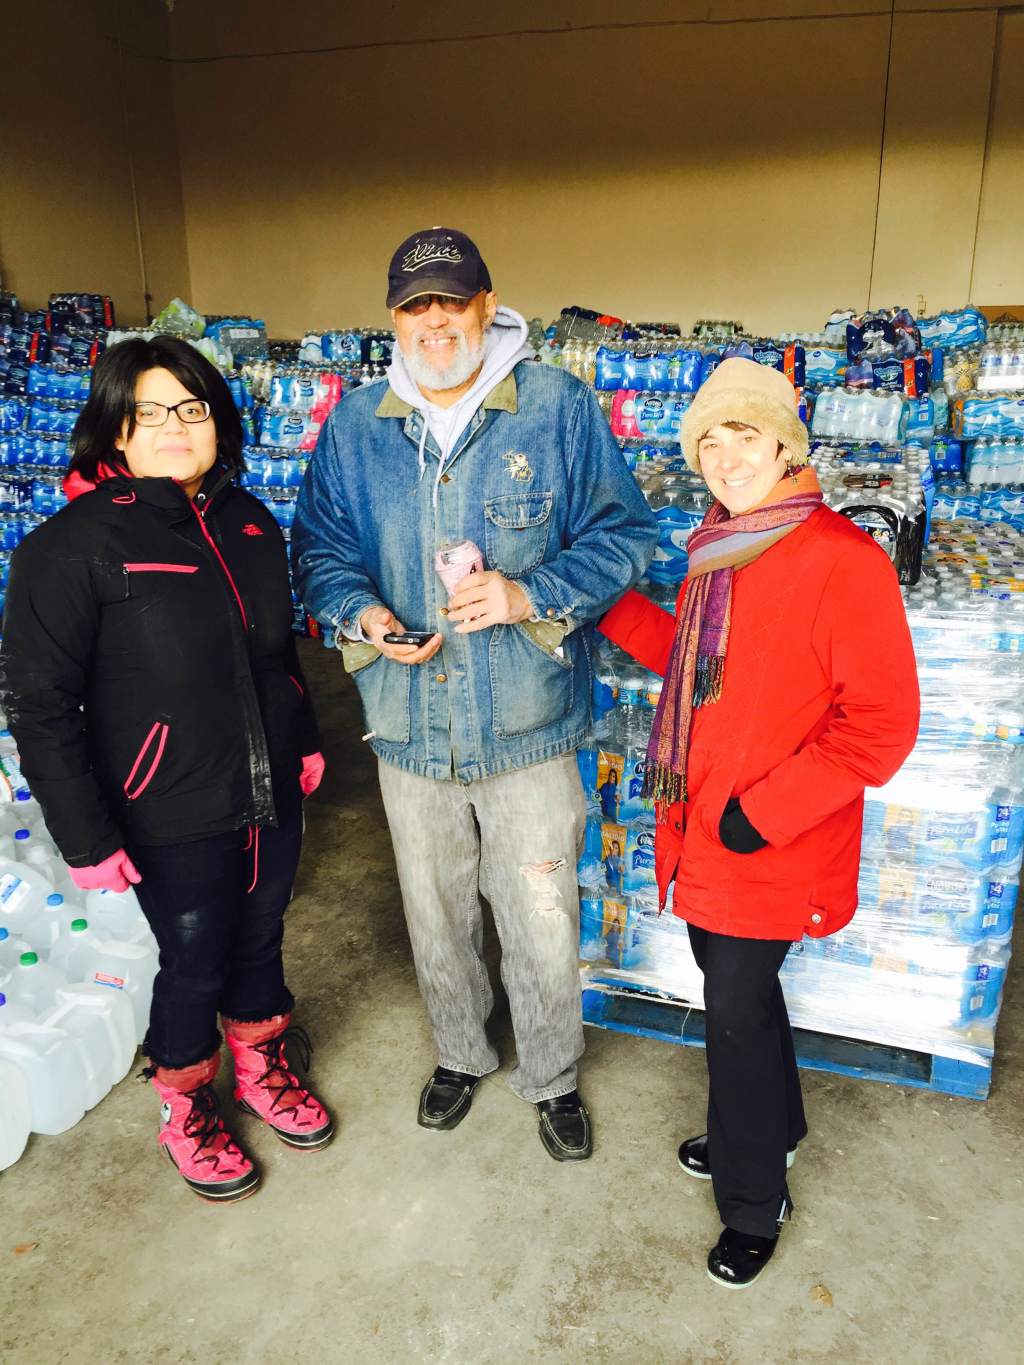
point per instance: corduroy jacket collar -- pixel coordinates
(504, 397)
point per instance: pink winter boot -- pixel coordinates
(194, 1137)
(266, 1087)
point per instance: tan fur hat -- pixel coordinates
(744, 391)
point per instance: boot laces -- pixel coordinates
(205, 1127)
(277, 1075)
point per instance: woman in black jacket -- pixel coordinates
(151, 680)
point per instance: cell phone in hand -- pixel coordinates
(410, 637)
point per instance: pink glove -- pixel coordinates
(312, 772)
(112, 874)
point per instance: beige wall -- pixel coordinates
(933, 159)
(672, 202)
(87, 101)
(702, 158)
(999, 265)
(721, 159)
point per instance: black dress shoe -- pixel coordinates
(693, 1157)
(739, 1257)
(565, 1127)
(446, 1098)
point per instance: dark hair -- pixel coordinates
(745, 426)
(112, 399)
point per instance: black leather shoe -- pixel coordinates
(565, 1127)
(446, 1098)
(693, 1157)
(739, 1257)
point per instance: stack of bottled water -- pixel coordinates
(367, 350)
(996, 367)
(616, 868)
(645, 416)
(989, 426)
(299, 399)
(225, 341)
(924, 961)
(992, 414)
(996, 461)
(46, 357)
(679, 499)
(583, 324)
(76, 977)
(859, 415)
(984, 381)
(289, 405)
(657, 365)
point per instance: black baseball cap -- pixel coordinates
(437, 260)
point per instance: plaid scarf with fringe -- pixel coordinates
(717, 548)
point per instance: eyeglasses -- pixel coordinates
(447, 302)
(189, 410)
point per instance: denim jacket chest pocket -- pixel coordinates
(516, 527)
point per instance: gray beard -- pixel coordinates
(463, 366)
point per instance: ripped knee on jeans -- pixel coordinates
(541, 879)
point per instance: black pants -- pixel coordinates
(755, 1109)
(220, 941)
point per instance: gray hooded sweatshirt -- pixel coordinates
(504, 347)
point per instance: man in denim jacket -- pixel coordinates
(475, 729)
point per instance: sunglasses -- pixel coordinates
(448, 303)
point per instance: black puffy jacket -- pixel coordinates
(148, 668)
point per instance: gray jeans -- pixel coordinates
(516, 838)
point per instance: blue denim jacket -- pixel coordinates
(537, 481)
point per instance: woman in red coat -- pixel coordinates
(790, 686)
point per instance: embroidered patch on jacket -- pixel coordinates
(251, 529)
(517, 466)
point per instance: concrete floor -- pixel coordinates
(474, 1247)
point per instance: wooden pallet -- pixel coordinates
(650, 1015)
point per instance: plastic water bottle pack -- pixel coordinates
(886, 491)
(618, 854)
(679, 499)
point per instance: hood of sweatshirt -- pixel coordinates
(504, 347)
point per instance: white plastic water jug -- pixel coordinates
(114, 1009)
(28, 837)
(51, 1063)
(34, 983)
(72, 951)
(128, 967)
(95, 1045)
(21, 813)
(11, 949)
(23, 893)
(118, 914)
(36, 851)
(10, 1013)
(15, 1113)
(45, 929)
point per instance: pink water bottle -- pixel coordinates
(456, 562)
